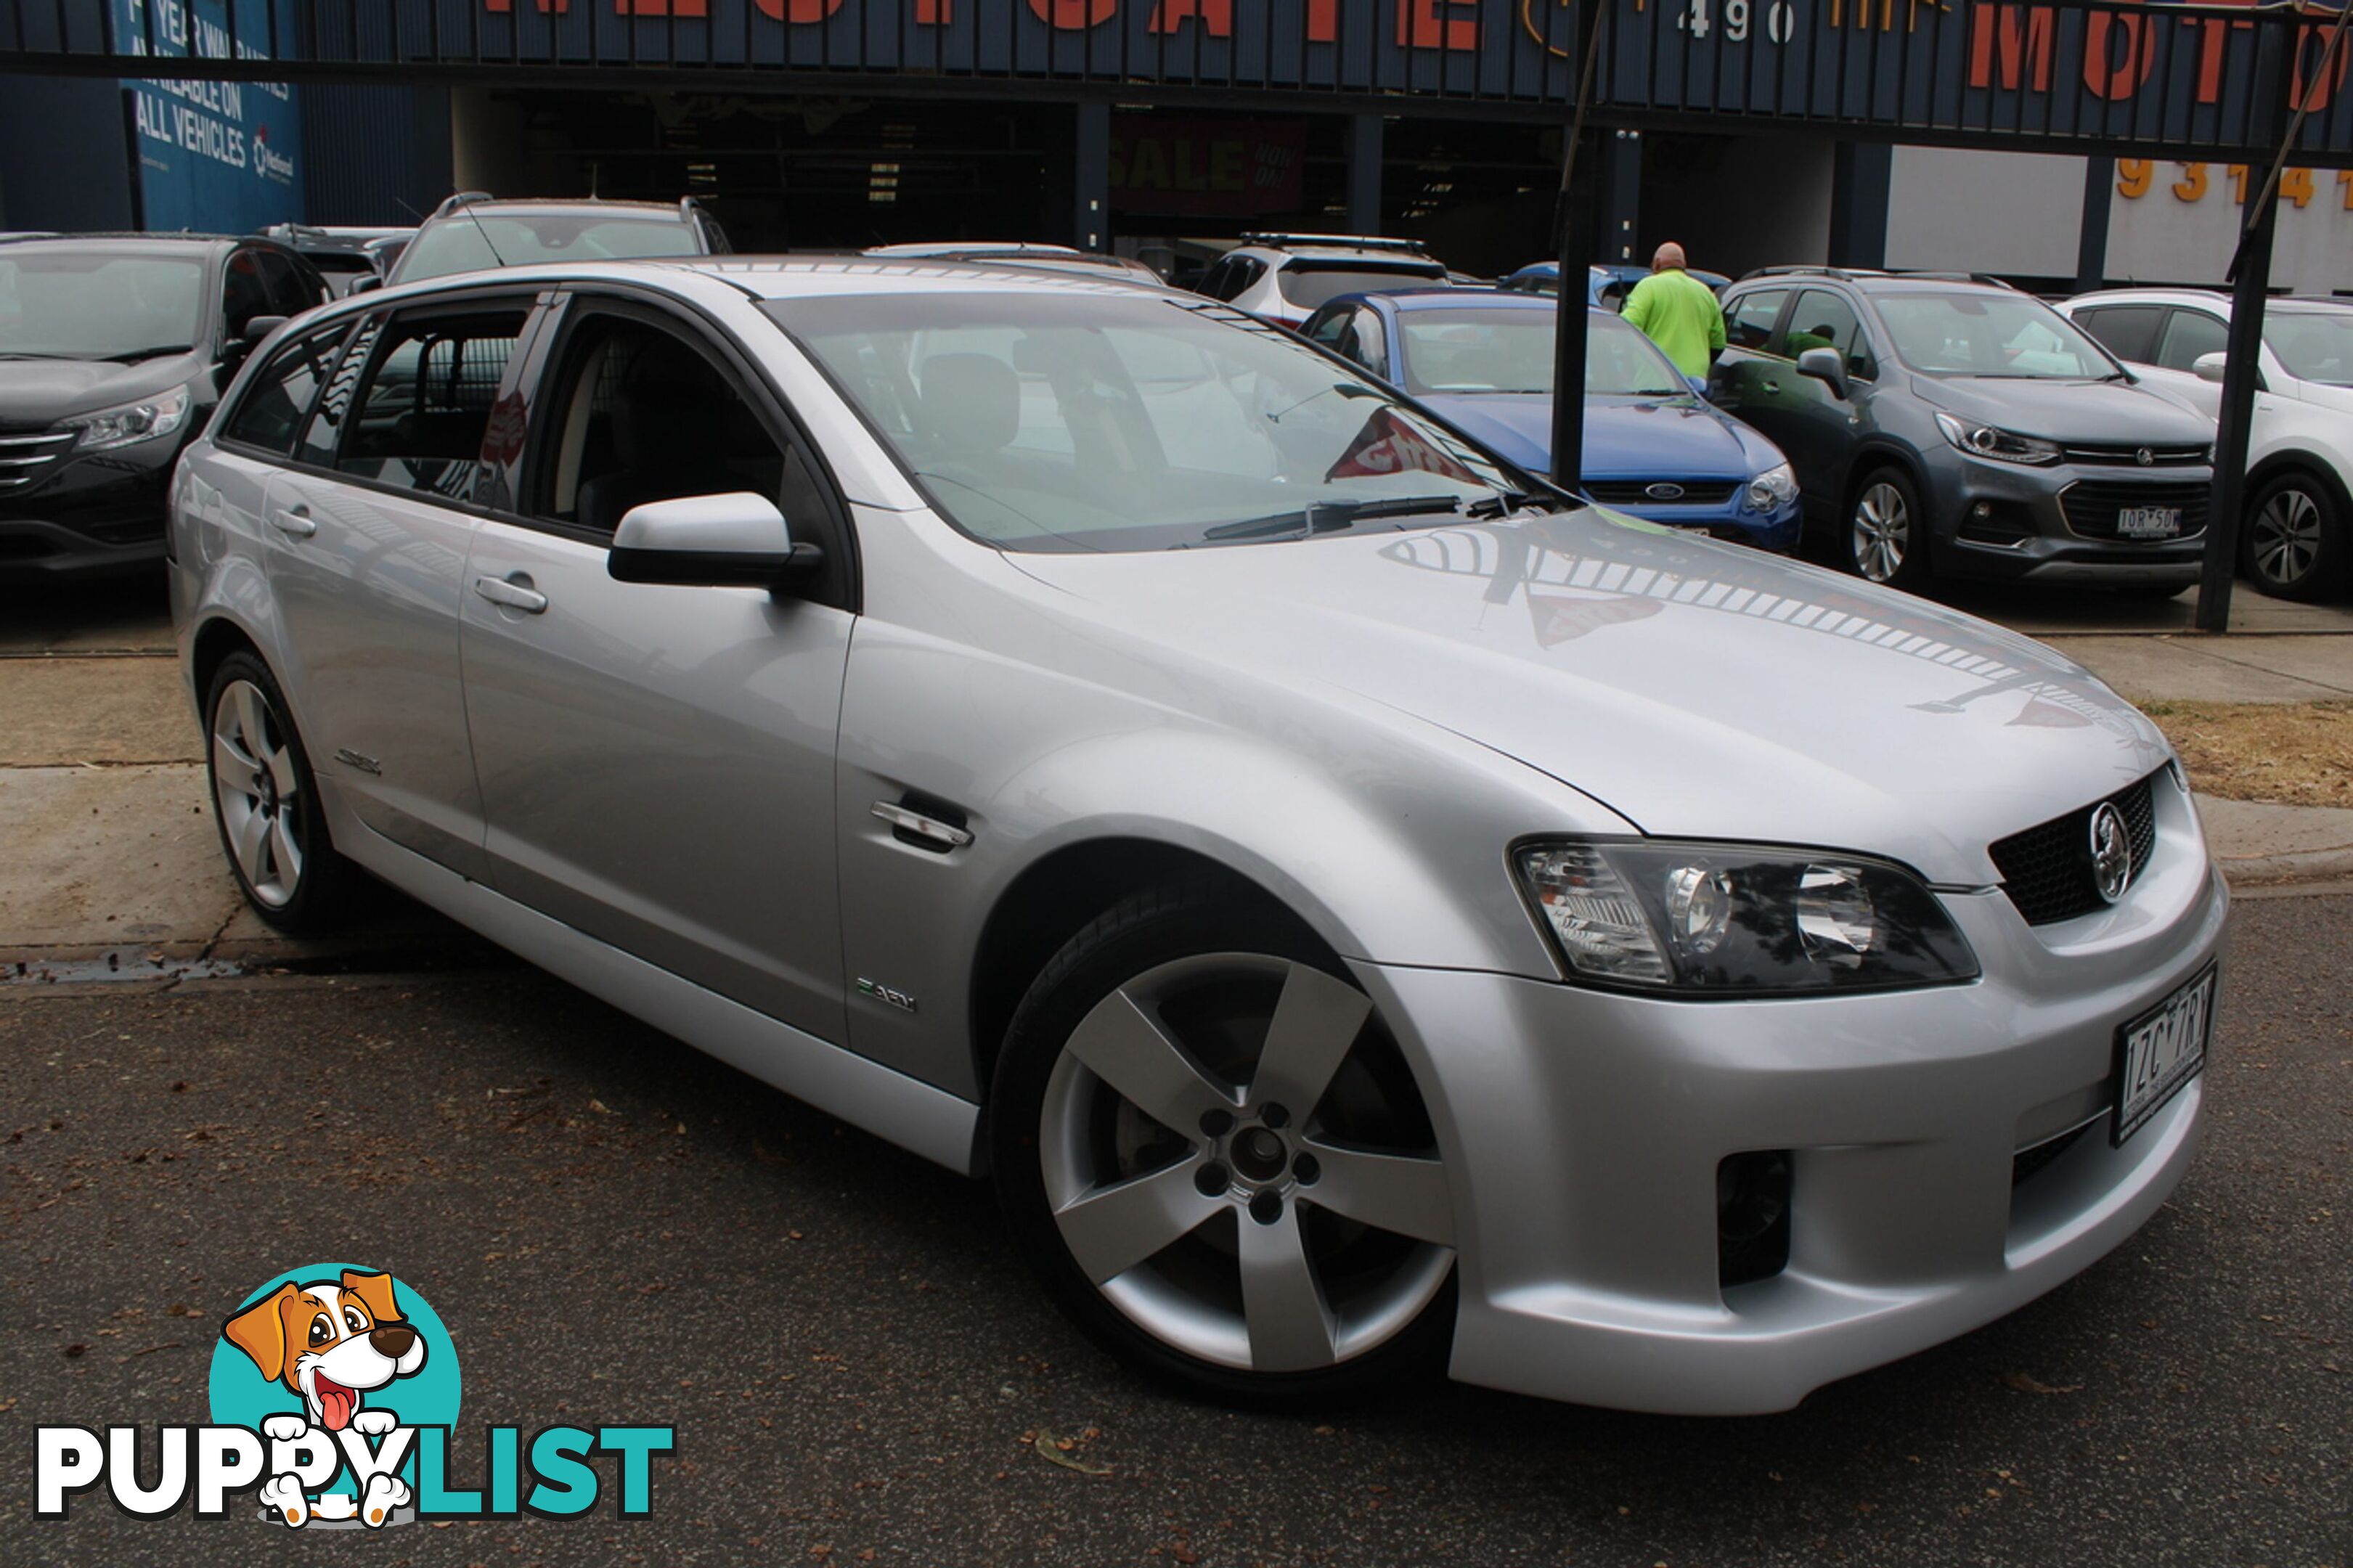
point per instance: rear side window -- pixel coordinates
(283, 390)
(1308, 284)
(424, 401)
(2128, 331)
(1749, 323)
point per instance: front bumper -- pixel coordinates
(1585, 1129)
(2025, 531)
(93, 514)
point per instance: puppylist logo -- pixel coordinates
(334, 1391)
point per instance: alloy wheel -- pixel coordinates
(2285, 541)
(1882, 534)
(258, 789)
(1235, 1158)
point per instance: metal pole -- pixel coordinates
(2092, 238)
(1364, 173)
(2254, 272)
(1572, 227)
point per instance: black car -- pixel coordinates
(113, 349)
(342, 255)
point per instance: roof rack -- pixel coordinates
(1807, 270)
(1353, 241)
(1988, 279)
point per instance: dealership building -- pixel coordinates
(1165, 128)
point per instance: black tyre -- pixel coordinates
(1886, 538)
(2293, 543)
(266, 803)
(1217, 1160)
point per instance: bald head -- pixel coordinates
(1668, 258)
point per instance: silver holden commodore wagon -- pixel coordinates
(1360, 910)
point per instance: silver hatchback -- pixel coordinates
(1360, 913)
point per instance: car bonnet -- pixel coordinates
(1699, 690)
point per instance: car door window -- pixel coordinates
(2128, 331)
(423, 403)
(1749, 323)
(1333, 330)
(245, 291)
(1825, 321)
(640, 414)
(282, 281)
(283, 390)
(2187, 335)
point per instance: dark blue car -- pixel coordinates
(1603, 284)
(1482, 358)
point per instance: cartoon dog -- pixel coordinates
(330, 1342)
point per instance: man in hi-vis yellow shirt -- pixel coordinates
(1678, 313)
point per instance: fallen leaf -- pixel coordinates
(2024, 1383)
(1056, 1451)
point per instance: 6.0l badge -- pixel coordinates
(898, 999)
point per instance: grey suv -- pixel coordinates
(1945, 427)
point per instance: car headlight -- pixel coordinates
(1773, 489)
(1730, 920)
(2001, 446)
(145, 420)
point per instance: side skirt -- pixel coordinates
(912, 1115)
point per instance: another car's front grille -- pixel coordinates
(26, 455)
(2047, 870)
(2126, 455)
(2093, 507)
(1638, 492)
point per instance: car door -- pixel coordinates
(368, 529)
(657, 763)
(1816, 427)
(1751, 358)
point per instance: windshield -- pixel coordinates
(457, 244)
(1308, 284)
(2001, 335)
(58, 303)
(2313, 345)
(1470, 350)
(1069, 422)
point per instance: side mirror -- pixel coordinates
(1826, 366)
(362, 283)
(259, 328)
(734, 541)
(2209, 367)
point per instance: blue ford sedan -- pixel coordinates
(1483, 359)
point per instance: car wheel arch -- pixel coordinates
(218, 638)
(1053, 898)
(2299, 463)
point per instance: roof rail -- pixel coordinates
(462, 199)
(1934, 276)
(1353, 241)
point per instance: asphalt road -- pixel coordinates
(619, 1230)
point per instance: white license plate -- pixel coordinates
(2158, 1052)
(2148, 521)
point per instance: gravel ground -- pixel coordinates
(618, 1230)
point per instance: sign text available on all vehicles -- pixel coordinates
(214, 156)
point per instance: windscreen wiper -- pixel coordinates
(131, 356)
(1509, 501)
(1330, 517)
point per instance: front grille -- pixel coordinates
(2092, 506)
(2029, 1163)
(2127, 455)
(2047, 870)
(1636, 492)
(26, 455)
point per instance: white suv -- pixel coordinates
(2296, 540)
(1284, 277)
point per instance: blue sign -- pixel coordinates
(221, 157)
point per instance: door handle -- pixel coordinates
(514, 591)
(294, 519)
(1772, 386)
